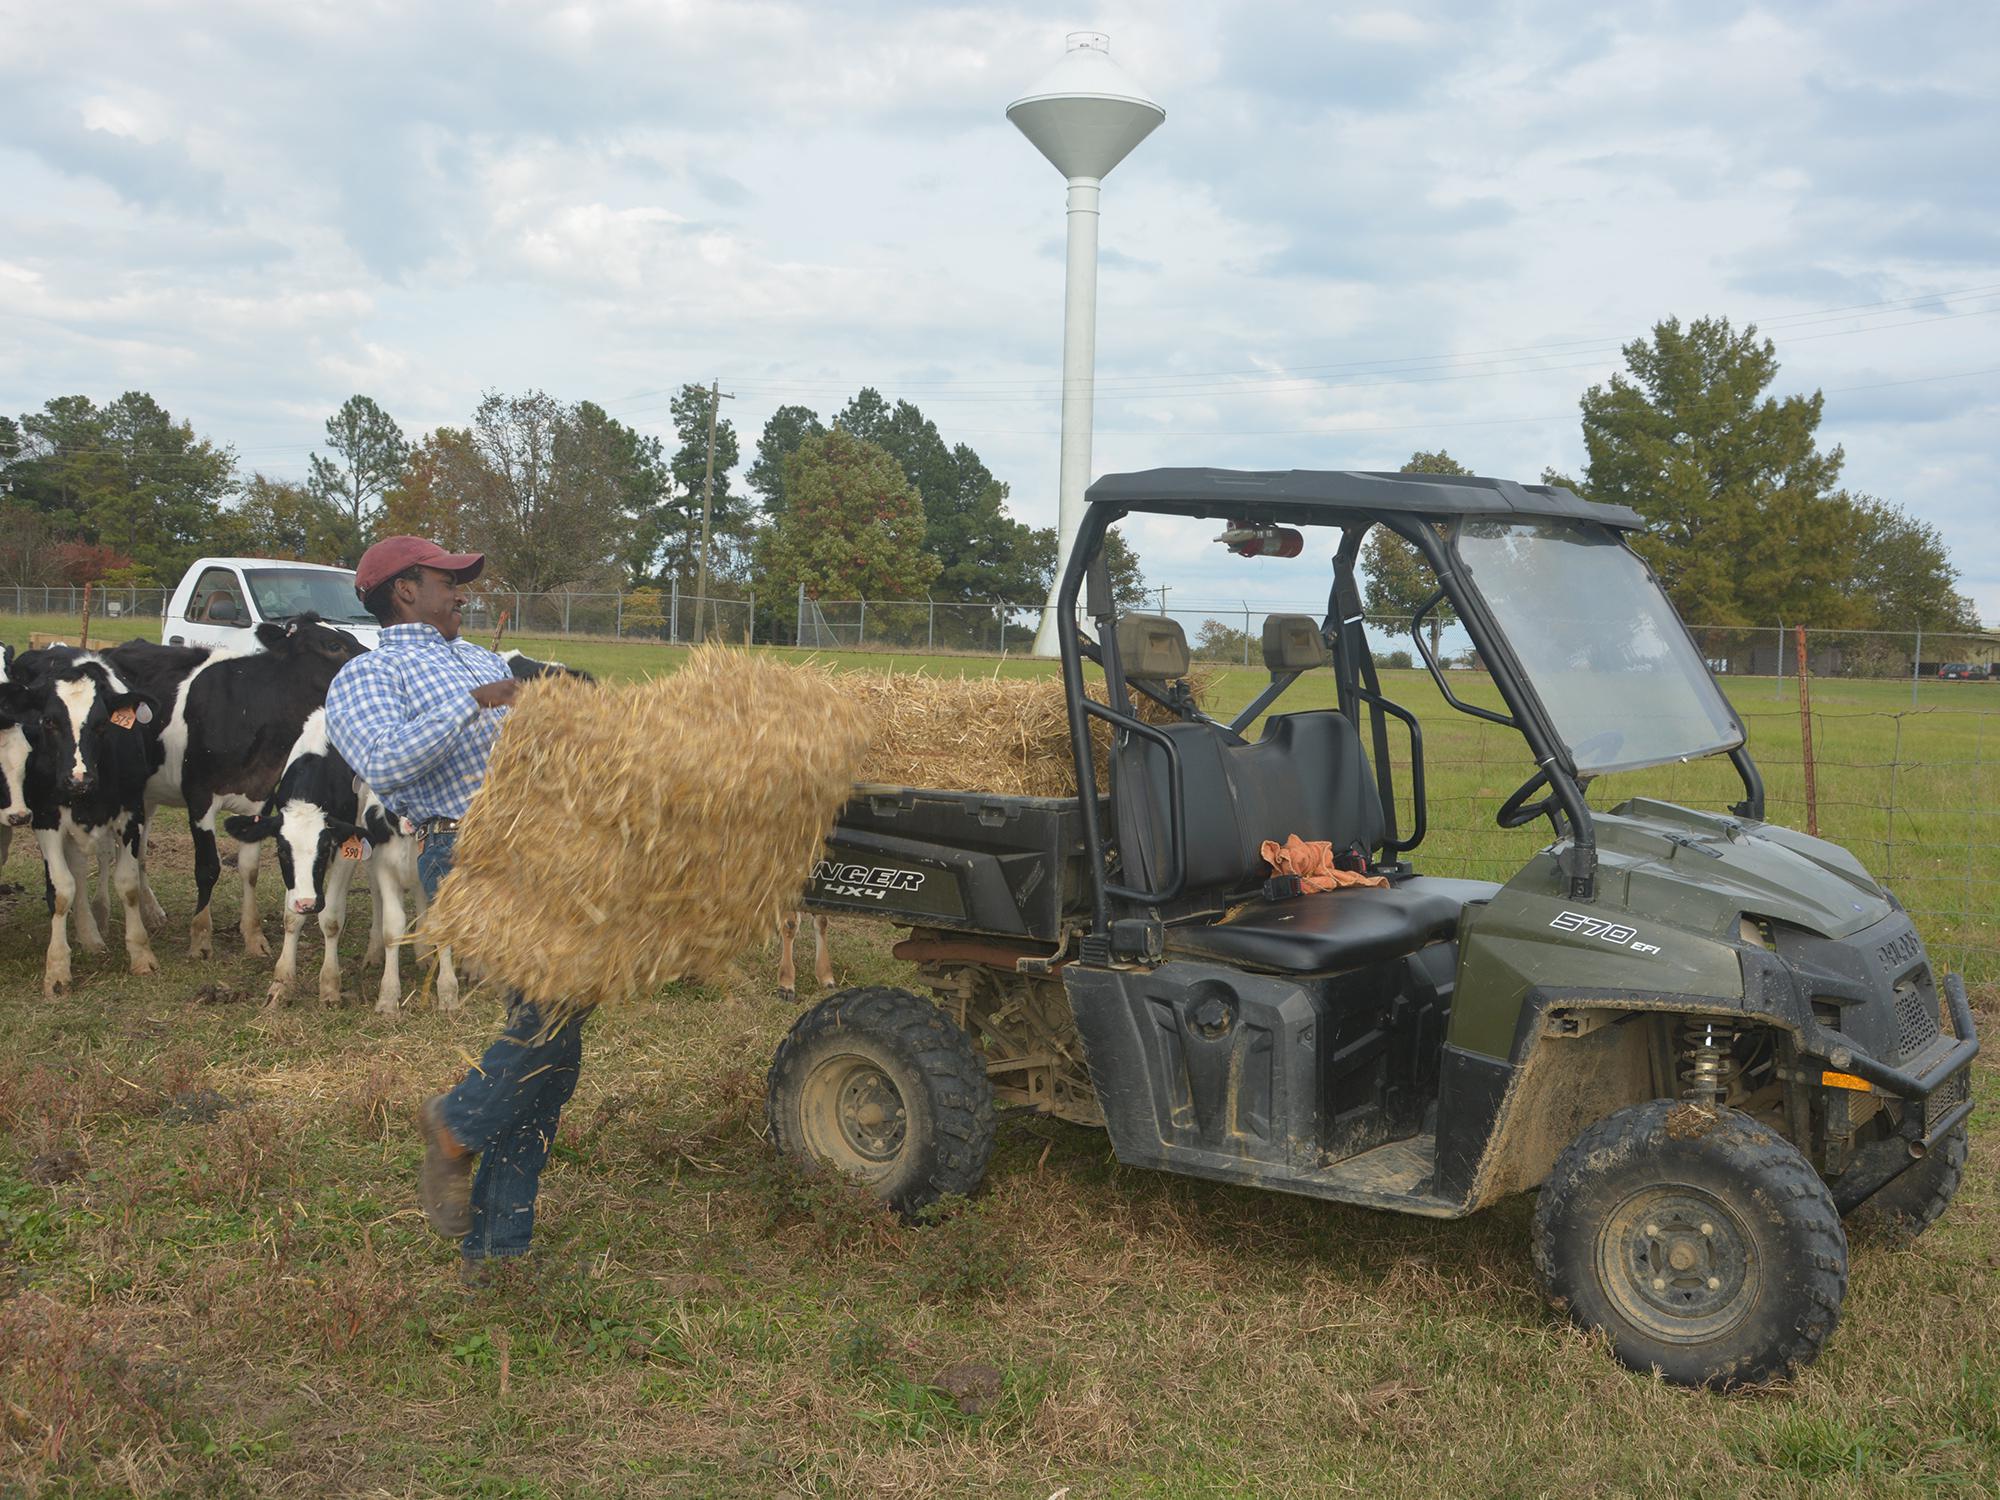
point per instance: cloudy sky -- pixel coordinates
(1359, 232)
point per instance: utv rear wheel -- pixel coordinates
(1917, 1197)
(880, 1085)
(1701, 1243)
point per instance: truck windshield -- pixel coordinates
(281, 593)
(1600, 643)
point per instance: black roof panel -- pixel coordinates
(1326, 496)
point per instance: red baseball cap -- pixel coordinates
(396, 554)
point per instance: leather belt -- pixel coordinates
(430, 827)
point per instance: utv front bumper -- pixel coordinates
(1865, 1010)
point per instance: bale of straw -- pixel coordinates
(634, 833)
(1009, 736)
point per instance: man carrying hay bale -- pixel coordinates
(418, 718)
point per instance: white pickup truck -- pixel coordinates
(220, 600)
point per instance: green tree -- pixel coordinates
(1399, 580)
(786, 428)
(126, 475)
(1904, 575)
(276, 518)
(534, 484)
(982, 551)
(1128, 583)
(1744, 523)
(853, 527)
(638, 467)
(1216, 641)
(677, 519)
(371, 451)
(441, 493)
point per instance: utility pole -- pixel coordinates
(716, 396)
(1163, 598)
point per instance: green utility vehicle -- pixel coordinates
(1705, 1038)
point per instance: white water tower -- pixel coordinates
(1085, 116)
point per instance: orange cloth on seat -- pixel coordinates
(1313, 863)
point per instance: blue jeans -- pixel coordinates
(508, 1106)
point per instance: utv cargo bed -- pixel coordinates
(966, 861)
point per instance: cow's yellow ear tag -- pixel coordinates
(124, 718)
(352, 849)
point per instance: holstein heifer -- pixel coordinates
(90, 742)
(13, 766)
(327, 824)
(13, 776)
(526, 668)
(234, 718)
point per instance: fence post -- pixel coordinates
(799, 619)
(1000, 615)
(861, 629)
(1246, 632)
(930, 631)
(1806, 734)
(565, 611)
(750, 630)
(618, 615)
(1916, 665)
(1779, 690)
(674, 610)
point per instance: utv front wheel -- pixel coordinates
(880, 1085)
(1703, 1244)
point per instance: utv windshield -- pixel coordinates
(284, 592)
(1599, 641)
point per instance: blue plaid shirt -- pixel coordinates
(403, 716)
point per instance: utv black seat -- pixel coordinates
(1306, 775)
(1333, 930)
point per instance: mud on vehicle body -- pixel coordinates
(1672, 1018)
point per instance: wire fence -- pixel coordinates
(1223, 632)
(1912, 794)
(1896, 723)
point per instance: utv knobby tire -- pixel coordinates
(1917, 1197)
(1703, 1244)
(879, 1084)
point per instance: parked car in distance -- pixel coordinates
(1959, 671)
(220, 601)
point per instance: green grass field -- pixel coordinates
(213, 1278)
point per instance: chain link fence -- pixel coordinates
(1220, 632)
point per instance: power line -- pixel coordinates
(1279, 384)
(1779, 322)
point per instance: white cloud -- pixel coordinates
(254, 210)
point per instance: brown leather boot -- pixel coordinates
(444, 1183)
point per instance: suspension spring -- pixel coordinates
(1708, 1062)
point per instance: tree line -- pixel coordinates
(1746, 521)
(871, 504)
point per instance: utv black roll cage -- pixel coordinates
(1415, 507)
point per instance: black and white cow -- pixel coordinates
(231, 719)
(13, 776)
(526, 668)
(90, 743)
(327, 824)
(13, 766)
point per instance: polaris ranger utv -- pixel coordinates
(1704, 1037)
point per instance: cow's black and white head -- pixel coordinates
(80, 702)
(527, 669)
(307, 635)
(315, 818)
